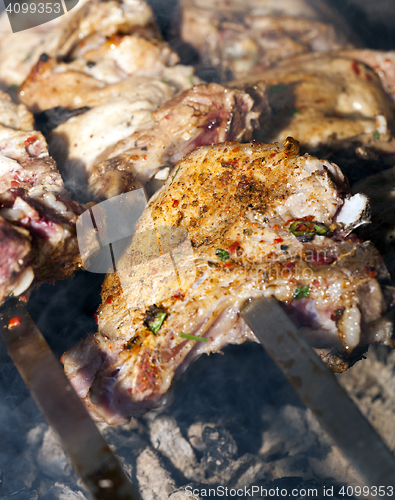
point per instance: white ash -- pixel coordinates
(167, 438)
(52, 459)
(154, 481)
(61, 492)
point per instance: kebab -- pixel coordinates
(262, 221)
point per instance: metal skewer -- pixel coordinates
(90, 455)
(319, 390)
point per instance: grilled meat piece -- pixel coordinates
(205, 114)
(102, 72)
(383, 63)
(110, 86)
(60, 37)
(238, 40)
(37, 216)
(335, 106)
(260, 220)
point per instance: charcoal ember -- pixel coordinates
(52, 459)
(287, 433)
(220, 449)
(295, 445)
(127, 441)
(252, 470)
(154, 481)
(372, 389)
(167, 438)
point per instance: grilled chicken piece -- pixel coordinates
(334, 106)
(101, 72)
(60, 37)
(102, 90)
(383, 63)
(37, 216)
(239, 40)
(260, 220)
(205, 114)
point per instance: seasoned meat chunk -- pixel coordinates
(235, 221)
(239, 40)
(60, 37)
(205, 114)
(37, 216)
(335, 106)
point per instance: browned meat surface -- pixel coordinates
(335, 107)
(114, 77)
(205, 114)
(382, 62)
(60, 37)
(37, 216)
(243, 38)
(93, 76)
(260, 220)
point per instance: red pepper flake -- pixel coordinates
(30, 140)
(278, 240)
(14, 184)
(178, 296)
(175, 203)
(371, 271)
(234, 246)
(109, 299)
(321, 259)
(272, 155)
(275, 227)
(289, 265)
(355, 68)
(96, 318)
(14, 322)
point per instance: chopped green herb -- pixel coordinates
(174, 176)
(376, 135)
(302, 292)
(165, 80)
(229, 123)
(14, 87)
(222, 254)
(306, 230)
(278, 88)
(296, 112)
(192, 337)
(155, 318)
